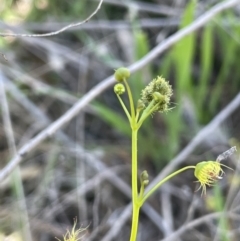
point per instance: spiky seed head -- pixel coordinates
(144, 178)
(158, 90)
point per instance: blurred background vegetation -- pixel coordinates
(66, 176)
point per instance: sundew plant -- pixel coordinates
(155, 97)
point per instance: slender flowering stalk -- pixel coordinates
(155, 97)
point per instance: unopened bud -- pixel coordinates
(122, 74)
(119, 89)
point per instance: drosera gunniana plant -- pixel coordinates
(155, 97)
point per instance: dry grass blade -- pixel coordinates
(197, 222)
(21, 207)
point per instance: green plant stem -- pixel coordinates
(137, 115)
(130, 100)
(124, 108)
(134, 164)
(150, 192)
(148, 111)
(135, 200)
(135, 218)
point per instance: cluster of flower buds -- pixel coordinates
(156, 94)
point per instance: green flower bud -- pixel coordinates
(140, 105)
(208, 173)
(122, 74)
(144, 178)
(119, 89)
(158, 90)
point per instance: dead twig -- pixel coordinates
(197, 222)
(55, 32)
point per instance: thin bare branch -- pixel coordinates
(55, 32)
(99, 25)
(117, 226)
(197, 222)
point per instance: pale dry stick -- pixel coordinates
(113, 25)
(98, 89)
(166, 207)
(197, 222)
(16, 177)
(191, 209)
(55, 32)
(122, 219)
(52, 47)
(90, 158)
